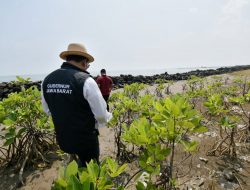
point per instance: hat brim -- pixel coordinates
(64, 54)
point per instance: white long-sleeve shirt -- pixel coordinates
(92, 94)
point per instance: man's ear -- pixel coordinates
(86, 64)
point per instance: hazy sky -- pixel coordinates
(124, 34)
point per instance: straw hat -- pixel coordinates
(76, 49)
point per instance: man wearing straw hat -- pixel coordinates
(76, 104)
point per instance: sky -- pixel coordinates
(124, 34)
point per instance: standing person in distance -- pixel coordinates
(105, 84)
(76, 105)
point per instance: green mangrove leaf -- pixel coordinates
(9, 141)
(190, 146)
(61, 182)
(8, 122)
(140, 186)
(200, 129)
(74, 183)
(71, 169)
(93, 170)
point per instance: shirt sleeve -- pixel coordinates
(44, 103)
(92, 94)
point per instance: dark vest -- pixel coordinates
(72, 117)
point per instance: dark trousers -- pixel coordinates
(90, 151)
(106, 98)
(87, 156)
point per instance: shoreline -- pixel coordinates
(119, 81)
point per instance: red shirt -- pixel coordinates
(105, 84)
